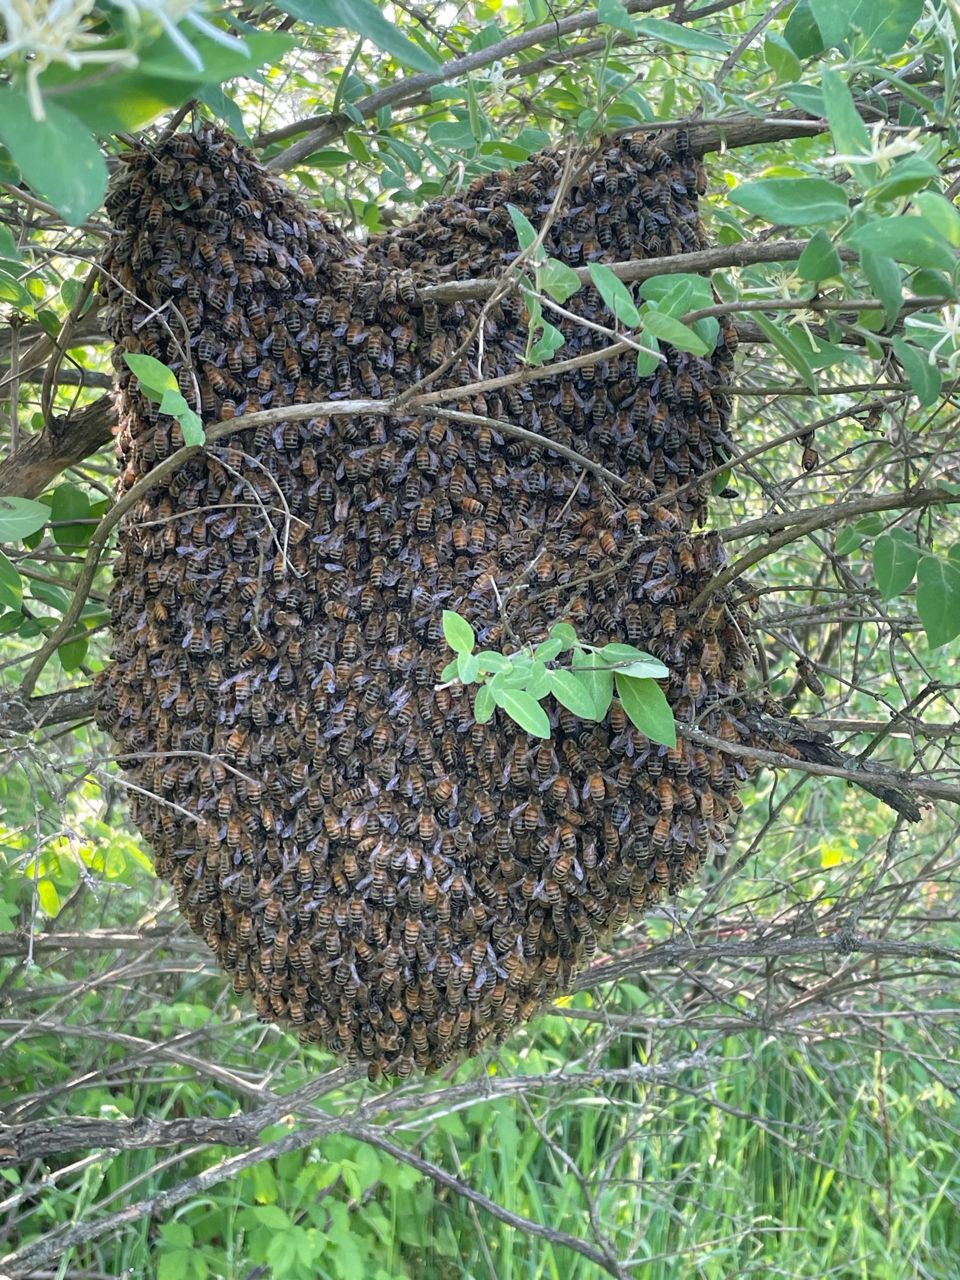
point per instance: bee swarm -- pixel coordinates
(396, 881)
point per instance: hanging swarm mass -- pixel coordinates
(393, 879)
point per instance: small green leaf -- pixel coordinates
(191, 424)
(484, 704)
(819, 260)
(688, 38)
(938, 599)
(885, 280)
(548, 650)
(788, 349)
(154, 377)
(802, 33)
(895, 561)
(563, 632)
(596, 679)
(645, 704)
(72, 653)
(449, 672)
(781, 59)
(941, 214)
(849, 133)
(647, 361)
(673, 332)
(70, 504)
(913, 240)
(526, 232)
(549, 342)
(538, 686)
(490, 661)
(458, 632)
(525, 710)
(48, 896)
(559, 280)
(468, 667)
(924, 377)
(907, 175)
(632, 661)
(790, 202)
(11, 586)
(58, 156)
(614, 293)
(677, 293)
(611, 13)
(571, 692)
(365, 19)
(833, 19)
(19, 517)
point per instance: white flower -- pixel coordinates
(882, 154)
(948, 326)
(45, 31)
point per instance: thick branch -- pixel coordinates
(62, 444)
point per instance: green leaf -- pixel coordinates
(788, 349)
(70, 504)
(802, 33)
(673, 332)
(364, 18)
(671, 33)
(558, 280)
(611, 13)
(924, 377)
(632, 661)
(11, 587)
(791, 202)
(707, 329)
(850, 137)
(885, 280)
(468, 667)
(907, 175)
(14, 294)
(449, 672)
(677, 293)
(549, 342)
(781, 59)
(938, 599)
(525, 710)
(72, 653)
(614, 293)
(648, 709)
(895, 560)
(941, 214)
(886, 24)
(191, 425)
(538, 685)
(48, 897)
(647, 361)
(571, 692)
(526, 232)
(19, 517)
(597, 679)
(819, 260)
(491, 661)
(8, 246)
(833, 20)
(563, 632)
(154, 377)
(58, 156)
(548, 650)
(484, 704)
(458, 632)
(912, 239)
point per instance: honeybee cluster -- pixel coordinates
(397, 881)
